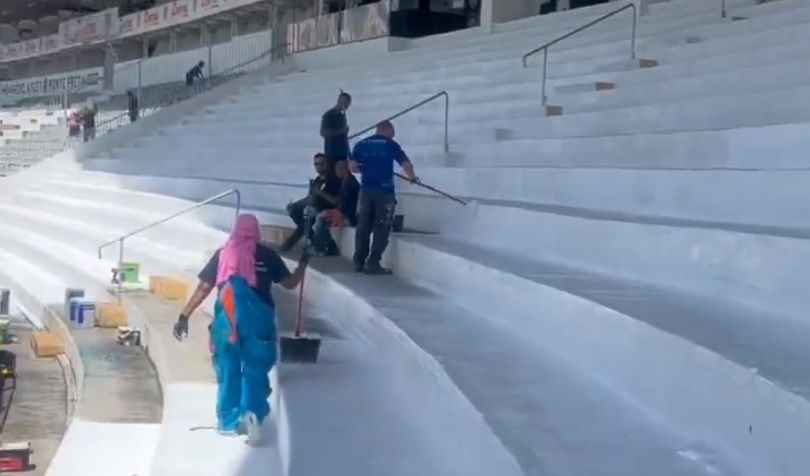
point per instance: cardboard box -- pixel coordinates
(155, 283)
(110, 315)
(173, 289)
(46, 344)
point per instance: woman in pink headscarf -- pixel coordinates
(243, 331)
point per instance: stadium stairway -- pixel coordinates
(614, 299)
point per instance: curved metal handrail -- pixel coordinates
(120, 239)
(544, 48)
(417, 106)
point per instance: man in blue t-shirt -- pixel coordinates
(374, 157)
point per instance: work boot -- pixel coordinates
(377, 270)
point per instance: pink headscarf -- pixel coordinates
(238, 256)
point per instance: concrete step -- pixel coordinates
(670, 253)
(456, 271)
(786, 75)
(485, 355)
(350, 372)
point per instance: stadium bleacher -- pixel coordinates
(620, 295)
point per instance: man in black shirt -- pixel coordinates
(132, 106)
(195, 73)
(346, 212)
(349, 195)
(324, 191)
(335, 133)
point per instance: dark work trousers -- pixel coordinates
(375, 215)
(296, 212)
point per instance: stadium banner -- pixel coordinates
(90, 29)
(31, 48)
(87, 80)
(175, 13)
(107, 25)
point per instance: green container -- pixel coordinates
(130, 271)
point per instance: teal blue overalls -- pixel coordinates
(243, 348)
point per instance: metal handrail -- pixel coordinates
(120, 239)
(544, 48)
(417, 106)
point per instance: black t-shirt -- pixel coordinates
(193, 73)
(335, 147)
(329, 185)
(270, 268)
(349, 193)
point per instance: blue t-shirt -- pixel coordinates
(376, 156)
(270, 268)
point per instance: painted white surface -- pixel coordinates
(512, 296)
(181, 451)
(102, 449)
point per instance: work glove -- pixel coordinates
(180, 329)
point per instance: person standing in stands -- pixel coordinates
(324, 194)
(132, 106)
(243, 330)
(374, 157)
(195, 73)
(74, 124)
(335, 133)
(89, 122)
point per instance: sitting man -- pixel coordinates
(346, 212)
(323, 195)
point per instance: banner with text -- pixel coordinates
(31, 48)
(175, 13)
(90, 29)
(107, 25)
(88, 80)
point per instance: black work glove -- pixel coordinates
(180, 329)
(303, 261)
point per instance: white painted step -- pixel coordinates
(727, 263)
(512, 293)
(553, 419)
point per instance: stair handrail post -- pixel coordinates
(544, 47)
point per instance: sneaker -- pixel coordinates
(359, 267)
(253, 428)
(228, 433)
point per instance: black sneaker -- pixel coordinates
(377, 270)
(359, 267)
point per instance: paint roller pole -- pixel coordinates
(299, 318)
(432, 189)
(297, 347)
